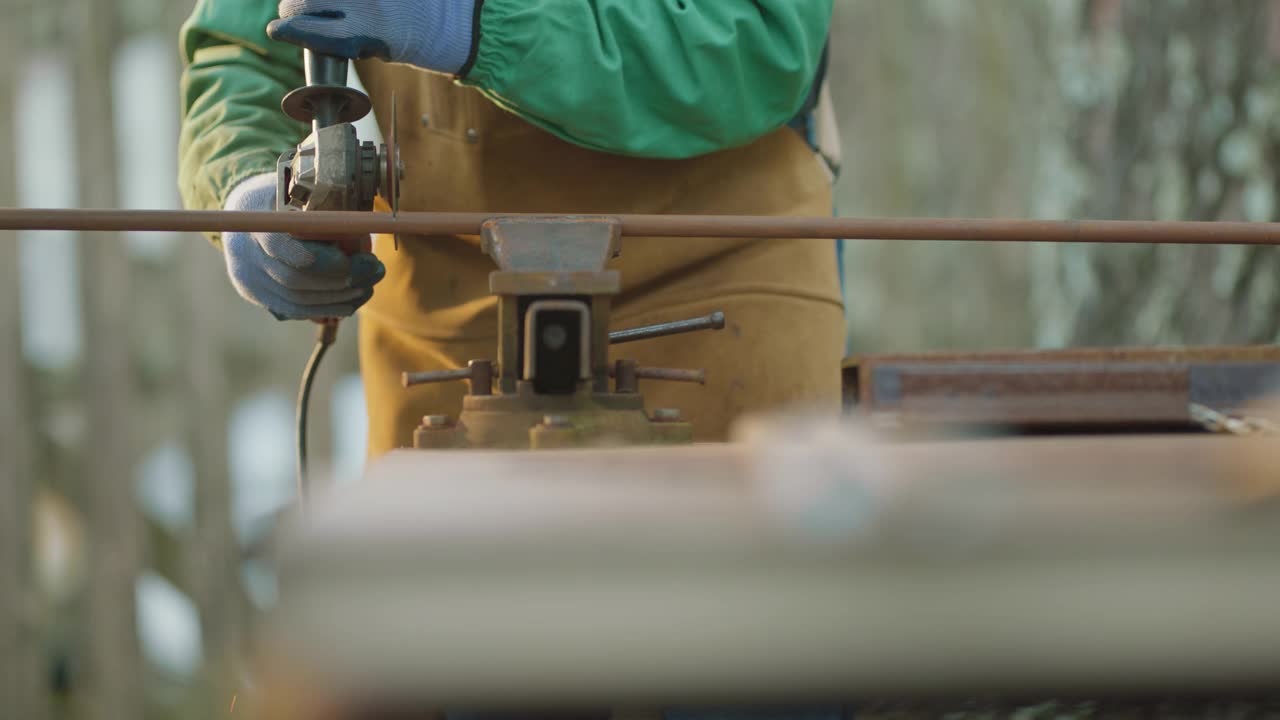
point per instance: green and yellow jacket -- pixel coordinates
(646, 78)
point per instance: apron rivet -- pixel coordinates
(426, 120)
(473, 135)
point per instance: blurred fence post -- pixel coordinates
(114, 672)
(214, 550)
(943, 113)
(21, 681)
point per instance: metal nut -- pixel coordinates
(667, 415)
(436, 421)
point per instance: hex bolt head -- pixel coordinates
(436, 421)
(667, 415)
(556, 421)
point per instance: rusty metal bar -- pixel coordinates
(1120, 388)
(335, 224)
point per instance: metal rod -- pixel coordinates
(337, 224)
(669, 374)
(411, 379)
(672, 375)
(714, 321)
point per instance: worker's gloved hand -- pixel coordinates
(430, 34)
(294, 279)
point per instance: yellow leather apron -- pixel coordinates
(785, 335)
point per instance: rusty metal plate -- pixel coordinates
(1134, 387)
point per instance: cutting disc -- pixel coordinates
(394, 168)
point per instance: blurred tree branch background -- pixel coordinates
(1174, 109)
(1163, 109)
(1109, 109)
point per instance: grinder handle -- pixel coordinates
(326, 70)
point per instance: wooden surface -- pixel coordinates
(807, 562)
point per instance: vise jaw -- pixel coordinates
(550, 386)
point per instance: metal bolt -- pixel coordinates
(625, 372)
(473, 135)
(554, 336)
(556, 421)
(426, 120)
(411, 379)
(666, 415)
(481, 377)
(436, 421)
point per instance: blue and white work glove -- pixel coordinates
(430, 34)
(294, 279)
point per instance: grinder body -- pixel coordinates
(332, 169)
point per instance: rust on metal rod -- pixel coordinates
(338, 224)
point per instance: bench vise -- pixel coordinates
(552, 384)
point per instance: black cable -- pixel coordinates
(326, 334)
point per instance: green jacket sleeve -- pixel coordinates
(651, 78)
(234, 78)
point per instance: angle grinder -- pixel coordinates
(332, 170)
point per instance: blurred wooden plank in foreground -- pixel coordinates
(214, 551)
(810, 562)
